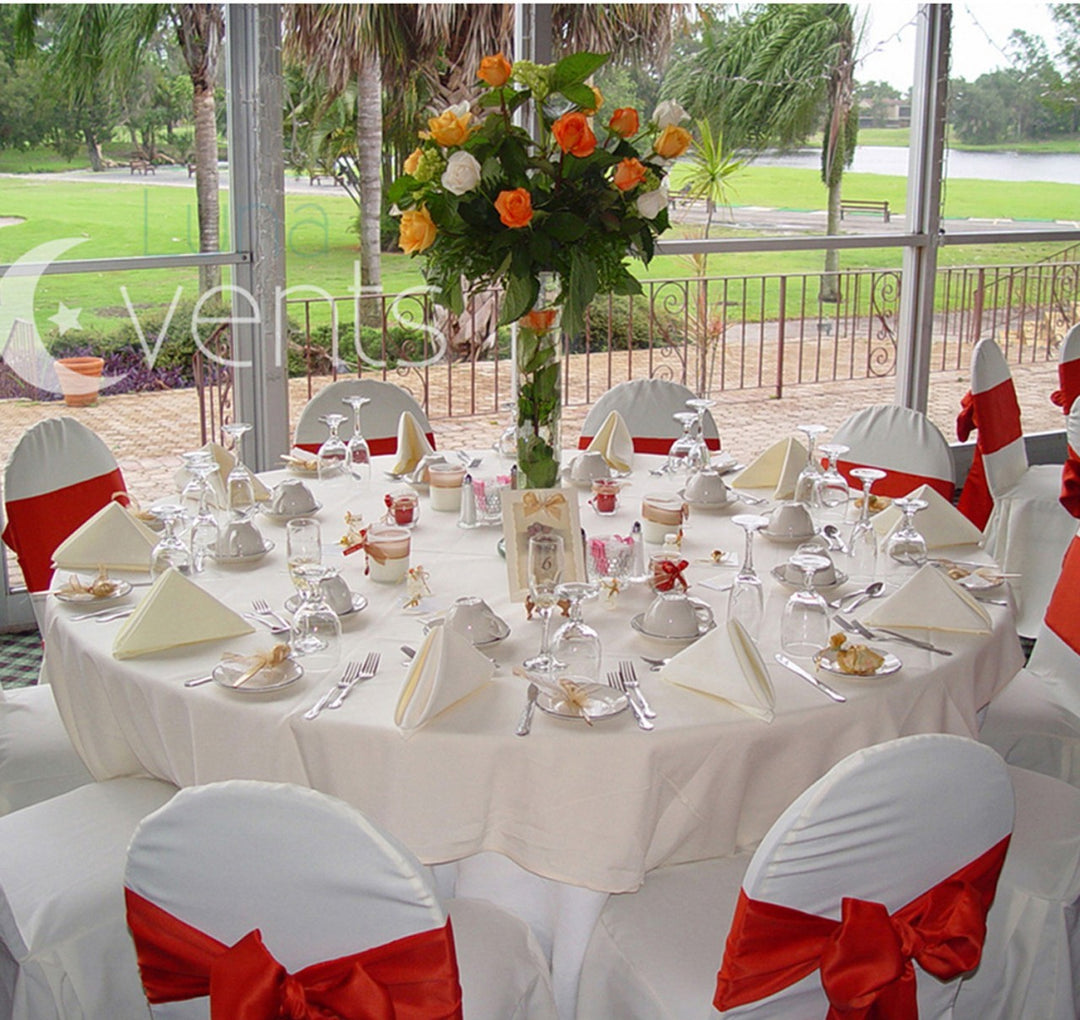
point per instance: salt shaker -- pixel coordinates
(467, 515)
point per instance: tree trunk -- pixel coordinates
(830, 282)
(369, 158)
(93, 150)
(206, 182)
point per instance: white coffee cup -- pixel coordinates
(791, 520)
(588, 466)
(474, 618)
(291, 497)
(823, 576)
(706, 486)
(674, 615)
(242, 538)
(336, 591)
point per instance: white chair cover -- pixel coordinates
(379, 419)
(885, 824)
(37, 759)
(1070, 473)
(647, 406)
(901, 441)
(66, 953)
(320, 882)
(1028, 529)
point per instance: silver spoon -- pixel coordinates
(832, 533)
(872, 592)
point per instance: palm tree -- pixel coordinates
(772, 78)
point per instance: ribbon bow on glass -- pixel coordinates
(411, 978)
(668, 573)
(866, 957)
(551, 505)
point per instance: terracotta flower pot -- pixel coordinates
(79, 380)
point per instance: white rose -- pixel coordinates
(459, 109)
(650, 204)
(668, 114)
(462, 173)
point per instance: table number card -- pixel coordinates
(526, 512)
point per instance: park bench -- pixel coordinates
(864, 205)
(141, 166)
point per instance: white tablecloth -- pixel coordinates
(592, 807)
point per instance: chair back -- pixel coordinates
(1070, 472)
(1068, 370)
(647, 406)
(885, 826)
(378, 420)
(316, 879)
(57, 477)
(1056, 655)
(901, 441)
(997, 417)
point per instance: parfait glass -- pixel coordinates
(806, 485)
(316, 628)
(170, 550)
(906, 545)
(746, 602)
(204, 534)
(240, 483)
(333, 454)
(357, 452)
(863, 541)
(683, 450)
(546, 561)
(804, 629)
(700, 456)
(833, 490)
(575, 645)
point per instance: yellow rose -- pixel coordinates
(451, 127)
(495, 71)
(413, 161)
(673, 141)
(417, 231)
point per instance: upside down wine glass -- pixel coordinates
(746, 602)
(700, 456)
(333, 454)
(240, 483)
(316, 629)
(863, 542)
(575, 645)
(545, 564)
(804, 630)
(684, 450)
(170, 550)
(806, 485)
(357, 452)
(906, 545)
(204, 534)
(833, 491)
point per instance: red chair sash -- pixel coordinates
(650, 444)
(1063, 612)
(1070, 483)
(866, 957)
(975, 501)
(895, 483)
(1069, 378)
(997, 415)
(38, 524)
(412, 978)
(377, 446)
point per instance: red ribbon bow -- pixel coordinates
(866, 957)
(412, 978)
(975, 501)
(668, 573)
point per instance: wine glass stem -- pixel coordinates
(545, 633)
(748, 554)
(864, 517)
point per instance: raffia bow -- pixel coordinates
(257, 662)
(362, 543)
(417, 585)
(99, 588)
(551, 505)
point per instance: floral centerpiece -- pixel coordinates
(552, 220)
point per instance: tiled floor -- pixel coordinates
(20, 659)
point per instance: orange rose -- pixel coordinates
(495, 71)
(417, 231)
(673, 141)
(539, 320)
(624, 121)
(515, 207)
(629, 174)
(574, 135)
(413, 161)
(451, 127)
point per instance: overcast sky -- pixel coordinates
(980, 32)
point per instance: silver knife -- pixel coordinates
(925, 645)
(525, 722)
(809, 677)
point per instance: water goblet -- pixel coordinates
(191, 496)
(170, 550)
(544, 569)
(746, 602)
(863, 542)
(357, 452)
(575, 645)
(806, 485)
(204, 533)
(303, 545)
(833, 490)
(316, 628)
(240, 483)
(700, 456)
(684, 449)
(906, 545)
(333, 455)
(804, 629)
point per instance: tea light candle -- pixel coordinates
(445, 485)
(402, 509)
(605, 498)
(388, 554)
(661, 515)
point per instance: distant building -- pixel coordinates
(884, 113)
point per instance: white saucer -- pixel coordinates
(779, 575)
(359, 604)
(787, 539)
(601, 702)
(272, 678)
(285, 518)
(728, 504)
(638, 623)
(826, 660)
(249, 558)
(123, 589)
(502, 635)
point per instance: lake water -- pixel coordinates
(1063, 168)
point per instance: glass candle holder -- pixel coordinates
(661, 515)
(605, 496)
(387, 554)
(402, 509)
(444, 482)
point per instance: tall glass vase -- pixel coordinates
(539, 398)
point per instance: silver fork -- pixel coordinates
(629, 678)
(367, 671)
(352, 669)
(619, 683)
(262, 608)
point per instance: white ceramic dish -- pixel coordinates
(601, 702)
(787, 539)
(731, 503)
(359, 604)
(272, 678)
(779, 574)
(638, 623)
(285, 518)
(826, 660)
(502, 635)
(243, 560)
(123, 589)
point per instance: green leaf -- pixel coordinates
(583, 284)
(580, 95)
(565, 226)
(540, 246)
(574, 69)
(519, 297)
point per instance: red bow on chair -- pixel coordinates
(866, 957)
(1070, 483)
(975, 501)
(412, 978)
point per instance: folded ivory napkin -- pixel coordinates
(111, 538)
(175, 612)
(614, 442)
(725, 664)
(445, 670)
(412, 444)
(932, 600)
(778, 467)
(941, 524)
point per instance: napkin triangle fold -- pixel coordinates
(112, 538)
(931, 600)
(175, 612)
(446, 670)
(615, 443)
(725, 664)
(941, 524)
(412, 444)
(777, 468)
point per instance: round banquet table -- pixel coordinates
(578, 808)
